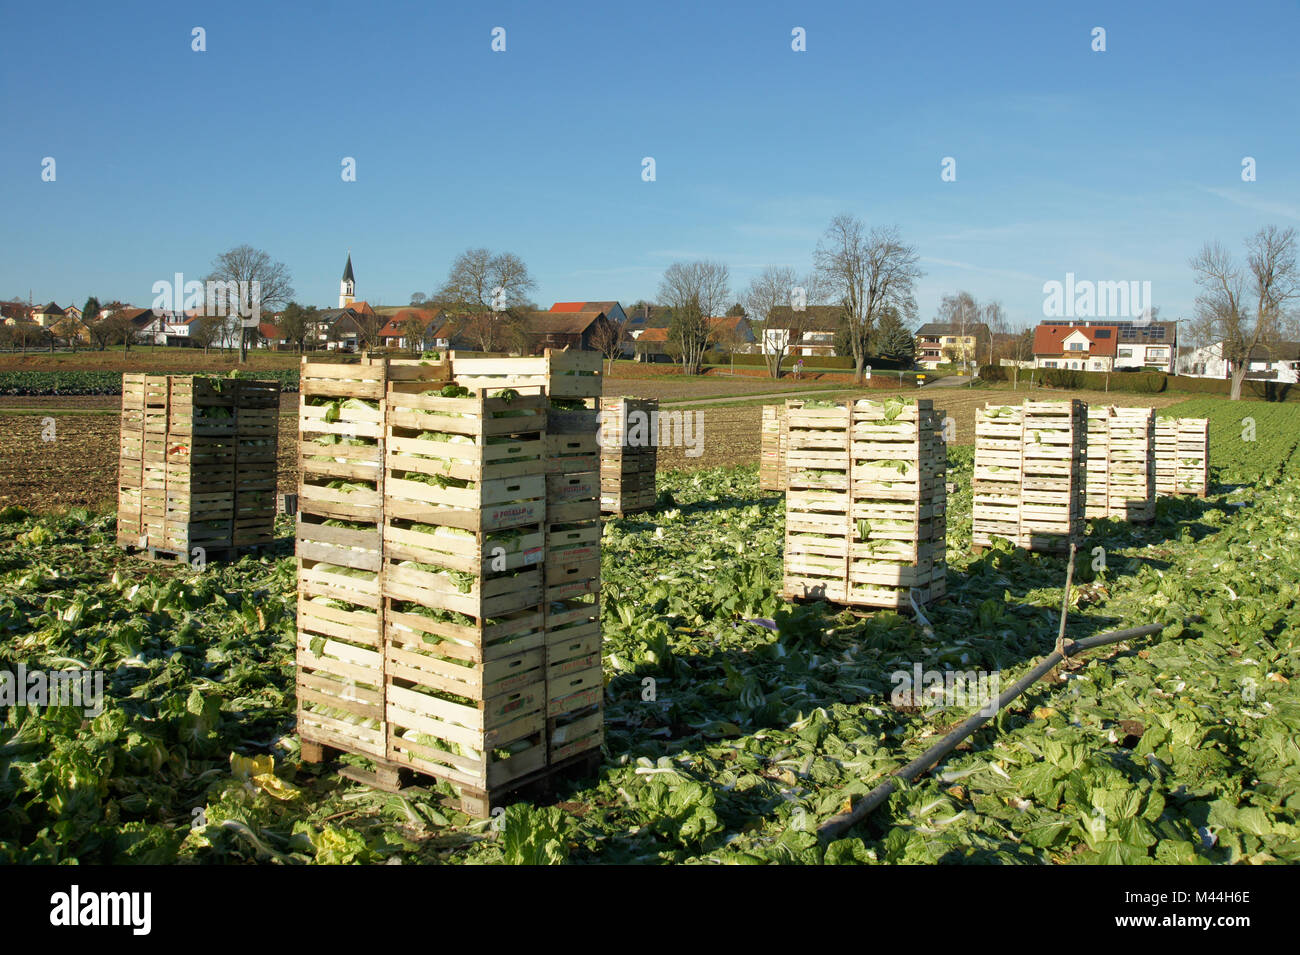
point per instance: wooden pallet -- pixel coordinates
(181, 481)
(1182, 456)
(393, 777)
(1131, 488)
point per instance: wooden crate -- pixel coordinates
(628, 454)
(817, 525)
(1182, 456)
(182, 488)
(1131, 469)
(774, 441)
(1097, 463)
(898, 500)
(465, 659)
(341, 433)
(995, 482)
(866, 503)
(1052, 475)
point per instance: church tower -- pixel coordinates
(347, 287)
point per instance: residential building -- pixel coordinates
(47, 316)
(818, 323)
(1138, 344)
(952, 343)
(733, 333)
(651, 345)
(573, 330)
(413, 328)
(1277, 362)
(1081, 348)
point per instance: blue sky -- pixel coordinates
(1114, 165)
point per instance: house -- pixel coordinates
(413, 328)
(1078, 347)
(344, 329)
(573, 330)
(951, 343)
(271, 334)
(611, 310)
(1277, 362)
(819, 324)
(1140, 344)
(14, 312)
(47, 316)
(651, 345)
(733, 333)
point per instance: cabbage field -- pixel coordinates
(736, 722)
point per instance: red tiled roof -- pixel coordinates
(269, 331)
(653, 335)
(1048, 339)
(726, 323)
(393, 327)
(561, 323)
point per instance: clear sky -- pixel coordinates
(1113, 166)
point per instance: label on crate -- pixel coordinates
(534, 555)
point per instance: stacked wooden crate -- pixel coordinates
(995, 483)
(1052, 475)
(572, 382)
(817, 502)
(1131, 467)
(898, 504)
(1097, 466)
(865, 503)
(628, 455)
(1182, 456)
(198, 464)
(340, 678)
(464, 644)
(775, 440)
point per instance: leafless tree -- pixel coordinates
(694, 291)
(1246, 307)
(867, 272)
(772, 289)
(242, 266)
(205, 330)
(995, 317)
(490, 292)
(608, 338)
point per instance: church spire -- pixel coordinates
(348, 286)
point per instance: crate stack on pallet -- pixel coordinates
(1131, 467)
(449, 585)
(995, 482)
(628, 456)
(197, 468)
(1030, 480)
(865, 504)
(1182, 456)
(464, 646)
(339, 535)
(775, 440)
(1052, 475)
(1097, 463)
(898, 504)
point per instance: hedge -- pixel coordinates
(845, 362)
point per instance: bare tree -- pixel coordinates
(608, 338)
(771, 289)
(1022, 350)
(235, 271)
(489, 291)
(695, 291)
(1245, 307)
(995, 317)
(205, 330)
(867, 272)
